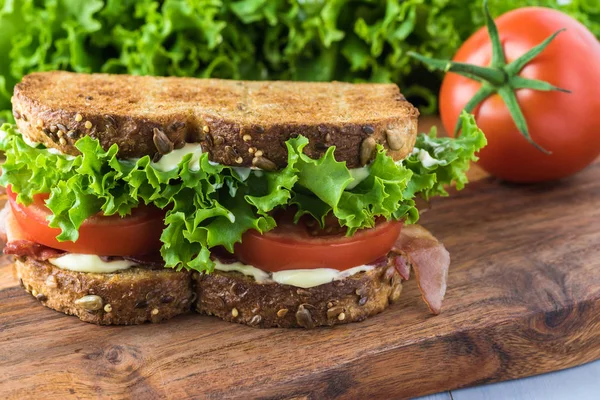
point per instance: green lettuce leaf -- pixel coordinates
(437, 162)
(358, 40)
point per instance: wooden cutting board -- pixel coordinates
(523, 299)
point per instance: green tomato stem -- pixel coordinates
(483, 93)
(499, 77)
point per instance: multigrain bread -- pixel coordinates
(144, 294)
(128, 297)
(239, 298)
(240, 123)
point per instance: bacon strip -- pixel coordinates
(430, 260)
(26, 248)
(402, 266)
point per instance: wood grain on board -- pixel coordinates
(523, 299)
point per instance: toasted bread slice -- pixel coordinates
(128, 297)
(142, 294)
(239, 123)
(239, 298)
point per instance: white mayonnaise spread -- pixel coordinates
(258, 274)
(359, 175)
(90, 263)
(30, 142)
(426, 159)
(170, 161)
(304, 278)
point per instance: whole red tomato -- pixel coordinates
(566, 124)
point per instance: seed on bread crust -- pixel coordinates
(51, 281)
(141, 304)
(62, 128)
(231, 154)
(303, 317)
(166, 299)
(368, 129)
(264, 163)
(177, 125)
(394, 138)
(367, 148)
(162, 142)
(282, 313)
(321, 146)
(333, 312)
(218, 140)
(90, 302)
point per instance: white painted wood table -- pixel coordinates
(578, 383)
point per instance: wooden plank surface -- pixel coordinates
(523, 299)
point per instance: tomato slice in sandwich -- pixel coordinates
(298, 246)
(135, 234)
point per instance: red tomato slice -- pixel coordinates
(290, 246)
(135, 234)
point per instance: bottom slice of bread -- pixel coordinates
(142, 294)
(235, 297)
(127, 297)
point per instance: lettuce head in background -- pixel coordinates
(313, 40)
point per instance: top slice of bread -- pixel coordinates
(239, 123)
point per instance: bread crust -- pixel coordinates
(235, 297)
(128, 297)
(233, 120)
